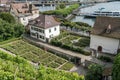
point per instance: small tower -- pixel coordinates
(30, 7)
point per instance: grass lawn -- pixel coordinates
(35, 54)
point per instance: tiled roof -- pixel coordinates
(107, 26)
(4, 1)
(44, 21)
(22, 8)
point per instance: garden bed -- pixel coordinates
(71, 42)
(34, 53)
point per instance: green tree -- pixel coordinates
(10, 30)
(18, 30)
(94, 73)
(116, 68)
(61, 6)
(7, 17)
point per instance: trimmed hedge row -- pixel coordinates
(62, 12)
(69, 47)
(105, 58)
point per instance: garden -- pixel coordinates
(71, 42)
(36, 54)
(17, 68)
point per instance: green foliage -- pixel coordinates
(6, 75)
(8, 41)
(105, 58)
(9, 30)
(65, 40)
(10, 69)
(94, 73)
(62, 12)
(60, 6)
(7, 17)
(116, 68)
(33, 54)
(76, 25)
(83, 42)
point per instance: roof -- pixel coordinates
(107, 27)
(4, 9)
(44, 21)
(4, 1)
(22, 8)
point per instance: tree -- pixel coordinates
(116, 68)
(10, 30)
(94, 73)
(7, 17)
(61, 6)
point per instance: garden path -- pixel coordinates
(67, 52)
(64, 38)
(61, 65)
(48, 46)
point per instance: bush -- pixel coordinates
(9, 30)
(56, 43)
(81, 26)
(94, 72)
(62, 12)
(116, 68)
(105, 58)
(7, 17)
(83, 42)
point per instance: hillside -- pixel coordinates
(17, 68)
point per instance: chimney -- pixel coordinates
(108, 30)
(30, 7)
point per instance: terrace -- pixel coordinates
(37, 55)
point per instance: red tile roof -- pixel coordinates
(22, 8)
(4, 1)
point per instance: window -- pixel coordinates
(42, 37)
(55, 29)
(32, 28)
(23, 18)
(33, 34)
(49, 30)
(42, 31)
(36, 29)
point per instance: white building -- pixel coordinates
(24, 12)
(44, 28)
(105, 36)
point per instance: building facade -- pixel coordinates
(44, 28)
(105, 36)
(24, 12)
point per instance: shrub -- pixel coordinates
(105, 58)
(94, 72)
(7, 17)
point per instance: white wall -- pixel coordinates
(53, 33)
(23, 20)
(109, 45)
(119, 43)
(46, 33)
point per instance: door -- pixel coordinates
(99, 49)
